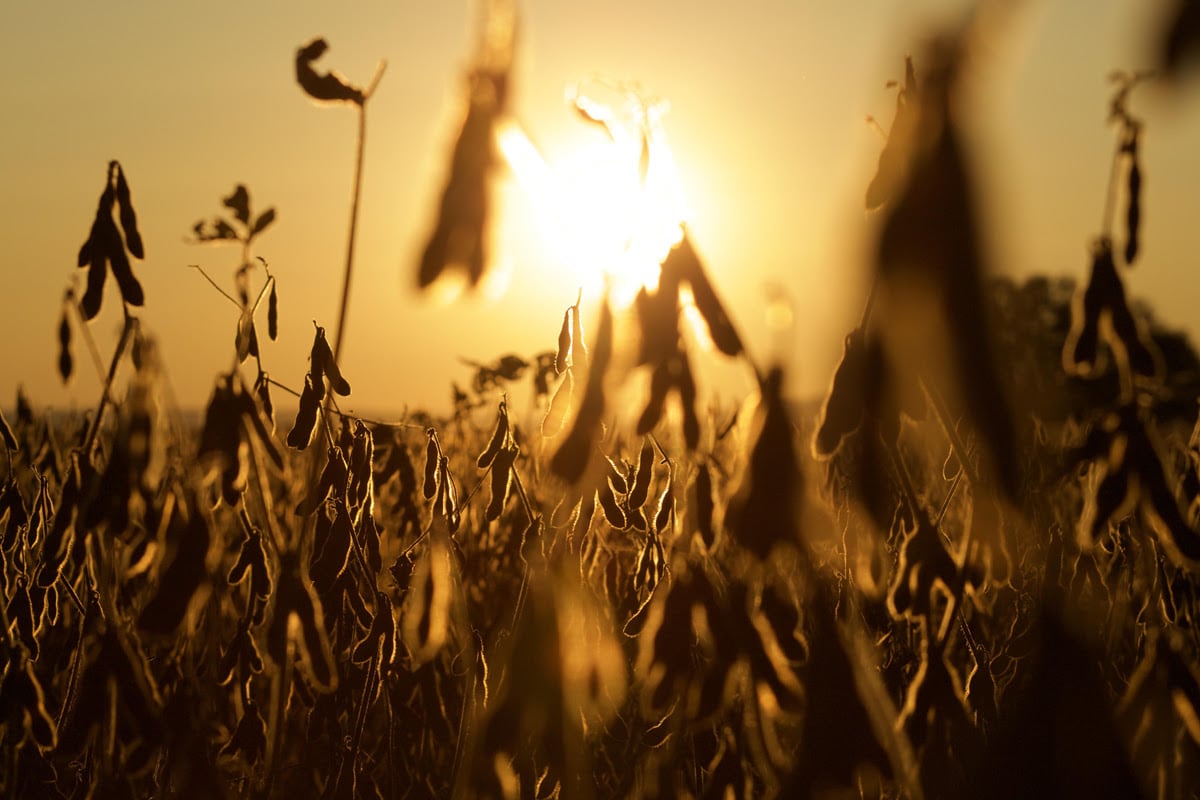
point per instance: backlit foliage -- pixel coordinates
(935, 588)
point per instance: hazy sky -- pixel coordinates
(767, 106)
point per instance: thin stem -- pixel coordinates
(90, 340)
(339, 333)
(1110, 200)
(215, 285)
(76, 657)
(940, 410)
(869, 306)
(127, 333)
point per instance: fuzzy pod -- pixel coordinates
(183, 584)
(333, 480)
(615, 478)
(432, 454)
(1082, 347)
(253, 344)
(650, 564)
(306, 417)
(12, 505)
(641, 482)
(612, 509)
(1133, 212)
(583, 522)
(842, 412)
(426, 617)
(459, 238)
(889, 176)
(579, 352)
(251, 559)
(235, 475)
(362, 458)
(6, 433)
(131, 289)
(564, 343)
(556, 416)
(446, 503)
(295, 598)
(499, 436)
(322, 363)
(334, 557)
(20, 613)
(660, 386)
(253, 418)
(1139, 350)
(24, 691)
(666, 505)
(571, 460)
(97, 273)
(128, 217)
(703, 489)
(691, 270)
(65, 362)
(262, 391)
(502, 474)
(951, 466)
(382, 634)
(369, 537)
(273, 312)
(685, 382)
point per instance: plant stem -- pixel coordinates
(127, 332)
(89, 340)
(1110, 200)
(339, 333)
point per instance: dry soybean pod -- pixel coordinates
(612, 509)
(1133, 212)
(666, 504)
(499, 435)
(65, 362)
(564, 343)
(273, 312)
(501, 482)
(641, 481)
(306, 416)
(431, 464)
(579, 353)
(557, 414)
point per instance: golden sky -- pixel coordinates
(766, 121)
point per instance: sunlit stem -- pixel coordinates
(524, 591)
(127, 333)
(280, 690)
(215, 285)
(354, 203)
(76, 658)
(81, 325)
(369, 687)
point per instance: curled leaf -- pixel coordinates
(328, 87)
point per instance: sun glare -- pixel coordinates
(612, 209)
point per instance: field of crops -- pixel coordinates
(971, 573)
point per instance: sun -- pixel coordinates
(613, 208)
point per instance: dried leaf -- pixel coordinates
(260, 224)
(329, 87)
(239, 204)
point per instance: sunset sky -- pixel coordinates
(766, 122)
